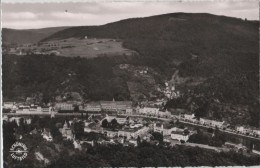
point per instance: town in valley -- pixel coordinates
(92, 85)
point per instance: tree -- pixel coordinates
(158, 136)
(210, 130)
(114, 123)
(76, 108)
(138, 140)
(55, 131)
(104, 123)
(78, 129)
(86, 116)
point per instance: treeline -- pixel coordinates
(152, 156)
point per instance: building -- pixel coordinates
(217, 124)
(133, 133)
(255, 151)
(46, 134)
(164, 114)
(46, 109)
(127, 133)
(189, 117)
(8, 105)
(179, 135)
(151, 111)
(164, 129)
(93, 107)
(15, 119)
(64, 107)
(241, 129)
(108, 105)
(256, 132)
(129, 111)
(141, 132)
(234, 146)
(77, 145)
(124, 106)
(119, 119)
(136, 125)
(66, 131)
(110, 133)
(93, 127)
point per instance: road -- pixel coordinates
(226, 131)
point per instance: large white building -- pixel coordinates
(64, 106)
(212, 123)
(164, 129)
(148, 111)
(133, 133)
(179, 135)
(108, 105)
(93, 107)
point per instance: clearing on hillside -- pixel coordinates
(87, 48)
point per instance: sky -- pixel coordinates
(40, 15)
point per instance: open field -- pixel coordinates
(87, 48)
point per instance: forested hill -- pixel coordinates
(221, 50)
(178, 31)
(225, 48)
(28, 35)
(182, 27)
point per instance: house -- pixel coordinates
(164, 129)
(255, 151)
(8, 105)
(133, 141)
(110, 133)
(34, 131)
(141, 132)
(93, 127)
(93, 107)
(77, 144)
(165, 114)
(66, 131)
(5, 118)
(217, 124)
(15, 119)
(189, 117)
(241, 129)
(127, 133)
(179, 135)
(28, 120)
(46, 134)
(129, 111)
(235, 146)
(88, 142)
(133, 125)
(256, 132)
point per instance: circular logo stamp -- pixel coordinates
(19, 151)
